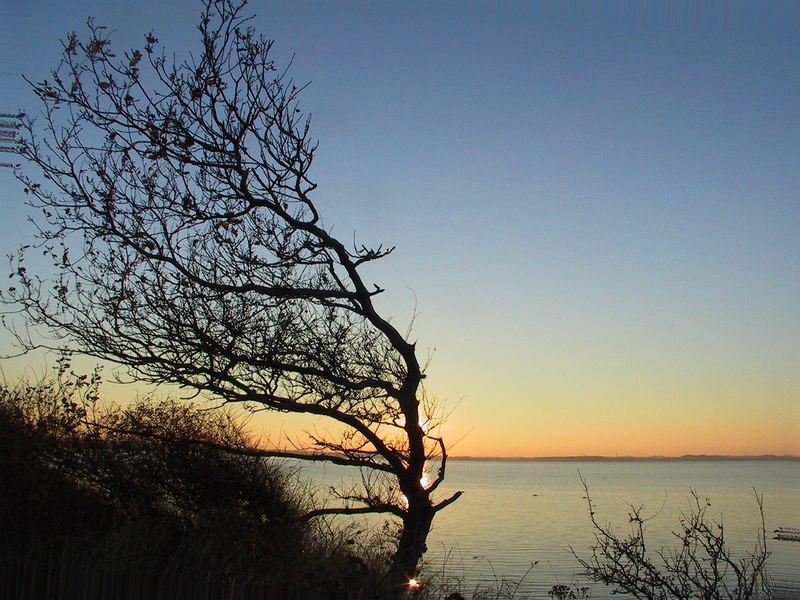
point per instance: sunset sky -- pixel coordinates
(596, 206)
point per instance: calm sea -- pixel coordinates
(514, 513)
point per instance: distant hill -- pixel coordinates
(686, 457)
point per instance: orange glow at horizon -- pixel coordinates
(543, 415)
(660, 430)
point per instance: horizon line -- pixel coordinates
(657, 457)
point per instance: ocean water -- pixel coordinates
(514, 513)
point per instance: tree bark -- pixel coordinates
(410, 548)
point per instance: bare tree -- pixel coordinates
(178, 214)
(700, 565)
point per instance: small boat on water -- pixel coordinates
(787, 534)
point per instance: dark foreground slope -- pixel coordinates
(160, 500)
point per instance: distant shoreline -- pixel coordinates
(685, 458)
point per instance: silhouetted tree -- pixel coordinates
(178, 212)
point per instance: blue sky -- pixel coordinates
(595, 206)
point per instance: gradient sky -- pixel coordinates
(596, 206)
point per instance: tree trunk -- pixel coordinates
(410, 548)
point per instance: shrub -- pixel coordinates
(159, 486)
